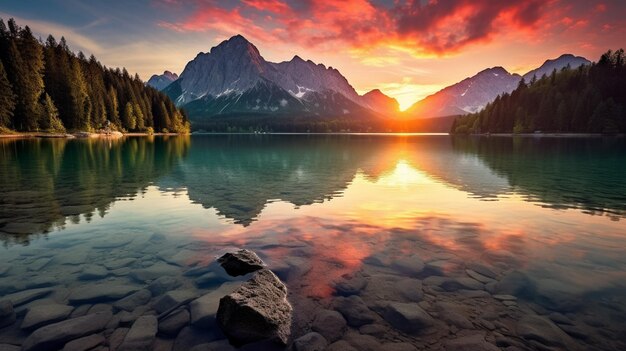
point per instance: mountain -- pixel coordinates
(377, 101)
(160, 82)
(467, 96)
(556, 64)
(590, 99)
(473, 94)
(233, 78)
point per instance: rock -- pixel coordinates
(398, 346)
(454, 284)
(100, 293)
(7, 314)
(457, 319)
(411, 265)
(310, 342)
(141, 335)
(134, 300)
(560, 318)
(54, 336)
(363, 342)
(481, 278)
(163, 284)
(241, 262)
(515, 283)
(341, 345)
(482, 269)
(208, 280)
(40, 282)
(350, 285)
(9, 347)
(153, 272)
(117, 337)
(191, 336)
(113, 242)
(84, 343)
(121, 263)
(574, 331)
(220, 345)
(557, 296)
(376, 330)
(93, 272)
(173, 323)
(474, 342)
(22, 297)
(410, 289)
(173, 299)
(505, 297)
(204, 309)
(536, 328)
(329, 324)
(257, 310)
(354, 310)
(39, 316)
(407, 317)
(39, 264)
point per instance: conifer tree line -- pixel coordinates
(588, 99)
(46, 87)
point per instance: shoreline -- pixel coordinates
(79, 135)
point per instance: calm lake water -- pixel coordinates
(501, 242)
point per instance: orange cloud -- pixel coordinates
(421, 28)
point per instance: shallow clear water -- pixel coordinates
(447, 224)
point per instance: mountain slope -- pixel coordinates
(473, 94)
(589, 99)
(233, 78)
(556, 64)
(469, 95)
(378, 101)
(160, 82)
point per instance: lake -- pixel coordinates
(496, 241)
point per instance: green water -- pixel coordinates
(547, 213)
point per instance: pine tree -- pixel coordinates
(7, 99)
(50, 121)
(129, 119)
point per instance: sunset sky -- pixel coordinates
(408, 49)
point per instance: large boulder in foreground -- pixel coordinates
(257, 310)
(241, 262)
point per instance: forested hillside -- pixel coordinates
(588, 99)
(46, 87)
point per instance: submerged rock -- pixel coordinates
(22, 297)
(84, 343)
(54, 336)
(174, 322)
(7, 314)
(354, 310)
(411, 265)
(204, 308)
(130, 302)
(408, 317)
(330, 324)
(257, 310)
(310, 342)
(541, 330)
(100, 292)
(475, 342)
(141, 335)
(241, 262)
(38, 316)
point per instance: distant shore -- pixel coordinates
(112, 135)
(549, 135)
